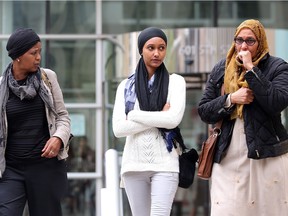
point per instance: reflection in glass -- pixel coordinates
(80, 199)
(71, 17)
(82, 147)
(24, 14)
(81, 155)
(74, 63)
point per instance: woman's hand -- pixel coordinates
(246, 58)
(242, 96)
(52, 147)
(166, 107)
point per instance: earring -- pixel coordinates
(18, 60)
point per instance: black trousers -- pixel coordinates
(42, 185)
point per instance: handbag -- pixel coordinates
(206, 157)
(187, 160)
(187, 168)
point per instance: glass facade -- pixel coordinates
(92, 46)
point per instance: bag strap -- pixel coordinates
(217, 128)
(45, 78)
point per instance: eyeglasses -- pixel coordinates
(249, 41)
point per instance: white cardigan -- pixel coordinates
(145, 149)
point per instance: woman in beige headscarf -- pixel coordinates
(250, 172)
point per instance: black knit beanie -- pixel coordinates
(20, 41)
(147, 34)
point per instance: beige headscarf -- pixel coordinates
(234, 70)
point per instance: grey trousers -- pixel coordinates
(151, 193)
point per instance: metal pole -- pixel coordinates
(111, 201)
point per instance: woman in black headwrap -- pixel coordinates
(34, 132)
(149, 106)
